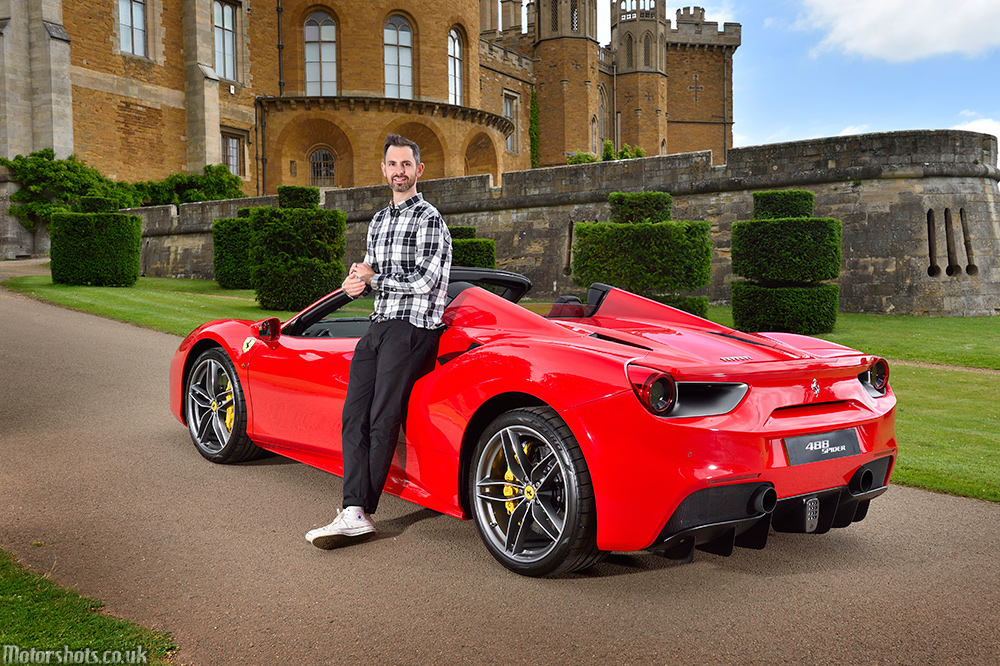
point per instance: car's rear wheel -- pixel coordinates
(531, 495)
(215, 410)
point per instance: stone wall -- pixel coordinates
(921, 214)
(15, 240)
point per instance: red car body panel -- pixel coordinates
(642, 466)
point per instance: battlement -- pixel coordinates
(692, 28)
(499, 57)
(691, 15)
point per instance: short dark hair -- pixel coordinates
(400, 142)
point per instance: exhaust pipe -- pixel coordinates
(862, 481)
(763, 500)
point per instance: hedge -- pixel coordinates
(787, 250)
(460, 233)
(99, 249)
(231, 237)
(476, 252)
(96, 205)
(696, 305)
(298, 196)
(635, 207)
(297, 255)
(644, 258)
(808, 310)
(776, 204)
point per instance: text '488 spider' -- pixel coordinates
(619, 424)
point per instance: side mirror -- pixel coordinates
(268, 329)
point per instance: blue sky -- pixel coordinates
(818, 68)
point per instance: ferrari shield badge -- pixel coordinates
(248, 343)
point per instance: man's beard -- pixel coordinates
(398, 186)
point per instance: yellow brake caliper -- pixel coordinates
(231, 410)
(510, 490)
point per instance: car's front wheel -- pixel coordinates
(215, 410)
(531, 495)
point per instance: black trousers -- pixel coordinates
(388, 360)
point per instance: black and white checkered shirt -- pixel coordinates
(409, 248)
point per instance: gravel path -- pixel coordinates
(94, 465)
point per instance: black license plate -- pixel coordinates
(823, 446)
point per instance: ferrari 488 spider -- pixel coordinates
(569, 430)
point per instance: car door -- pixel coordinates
(297, 388)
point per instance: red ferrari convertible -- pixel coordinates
(570, 430)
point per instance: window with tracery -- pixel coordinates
(321, 168)
(398, 58)
(321, 55)
(455, 68)
(225, 40)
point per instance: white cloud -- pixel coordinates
(984, 125)
(715, 12)
(853, 129)
(740, 140)
(904, 30)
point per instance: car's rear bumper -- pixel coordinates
(717, 519)
(643, 469)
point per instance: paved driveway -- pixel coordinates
(93, 464)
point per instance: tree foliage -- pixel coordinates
(50, 185)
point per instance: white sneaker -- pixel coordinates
(350, 526)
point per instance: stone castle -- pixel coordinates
(303, 92)
(294, 92)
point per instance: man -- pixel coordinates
(406, 264)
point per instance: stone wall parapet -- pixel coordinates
(910, 202)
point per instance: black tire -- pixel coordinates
(536, 516)
(216, 411)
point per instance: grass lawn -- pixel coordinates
(947, 420)
(37, 613)
(971, 342)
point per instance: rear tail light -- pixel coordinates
(655, 389)
(876, 378)
(880, 375)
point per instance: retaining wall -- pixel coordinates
(920, 212)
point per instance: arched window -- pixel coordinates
(398, 58)
(555, 15)
(455, 68)
(594, 141)
(321, 55)
(602, 112)
(646, 55)
(321, 171)
(629, 58)
(225, 40)
(574, 15)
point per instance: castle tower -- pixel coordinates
(489, 20)
(36, 95)
(638, 36)
(699, 66)
(567, 51)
